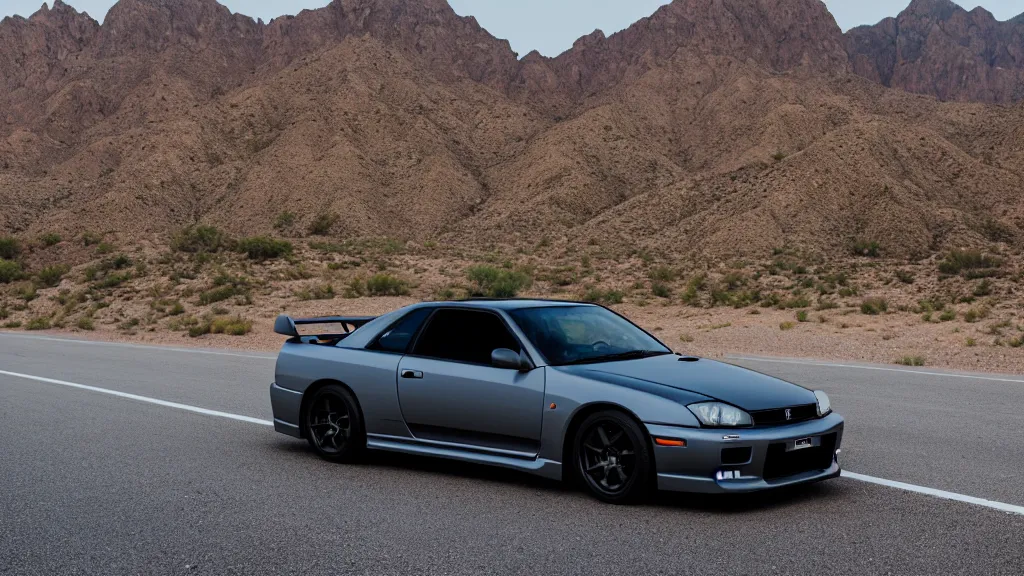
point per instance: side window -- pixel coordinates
(464, 336)
(397, 338)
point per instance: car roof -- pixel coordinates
(507, 303)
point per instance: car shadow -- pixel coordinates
(755, 502)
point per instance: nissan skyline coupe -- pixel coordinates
(564, 390)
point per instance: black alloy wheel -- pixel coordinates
(612, 458)
(333, 425)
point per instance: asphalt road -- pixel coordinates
(99, 484)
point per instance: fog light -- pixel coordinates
(838, 450)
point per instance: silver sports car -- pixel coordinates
(564, 390)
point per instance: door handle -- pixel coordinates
(412, 374)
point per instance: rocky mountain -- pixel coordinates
(717, 127)
(936, 47)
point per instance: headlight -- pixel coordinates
(824, 406)
(720, 415)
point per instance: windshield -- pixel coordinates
(582, 334)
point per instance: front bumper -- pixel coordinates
(699, 466)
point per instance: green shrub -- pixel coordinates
(322, 224)
(10, 271)
(663, 274)
(50, 239)
(85, 323)
(218, 294)
(104, 248)
(911, 361)
(976, 314)
(232, 326)
(948, 315)
(13, 324)
(386, 285)
(316, 292)
(10, 248)
(868, 248)
(801, 316)
(200, 239)
(905, 276)
(796, 302)
(38, 323)
(112, 281)
(496, 282)
(984, 288)
(970, 263)
(91, 238)
(284, 221)
(786, 326)
(4, 312)
(176, 309)
(263, 248)
(599, 296)
(661, 290)
(52, 275)
(874, 306)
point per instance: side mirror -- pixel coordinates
(505, 358)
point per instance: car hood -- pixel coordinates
(740, 387)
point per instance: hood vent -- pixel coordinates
(689, 359)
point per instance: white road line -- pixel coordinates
(881, 368)
(1001, 506)
(139, 346)
(936, 493)
(146, 399)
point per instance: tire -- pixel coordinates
(334, 425)
(611, 458)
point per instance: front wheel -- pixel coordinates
(334, 426)
(612, 459)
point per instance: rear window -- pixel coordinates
(397, 338)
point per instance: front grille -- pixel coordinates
(781, 464)
(777, 416)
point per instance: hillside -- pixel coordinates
(718, 152)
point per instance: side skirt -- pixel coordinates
(525, 462)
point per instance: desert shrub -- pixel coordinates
(52, 275)
(200, 239)
(25, 291)
(661, 290)
(686, 338)
(104, 248)
(911, 361)
(218, 294)
(284, 220)
(779, 156)
(263, 248)
(13, 324)
(984, 288)
(691, 296)
(826, 304)
(801, 316)
(322, 224)
(599, 296)
(112, 280)
(85, 323)
(905, 276)
(10, 248)
(1016, 342)
(795, 302)
(4, 312)
(316, 292)
(786, 326)
(869, 248)
(38, 323)
(386, 285)
(10, 271)
(948, 315)
(874, 306)
(232, 326)
(971, 263)
(50, 239)
(976, 314)
(496, 282)
(663, 274)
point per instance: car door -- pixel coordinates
(449, 391)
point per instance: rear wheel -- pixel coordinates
(611, 457)
(334, 427)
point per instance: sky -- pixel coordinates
(550, 26)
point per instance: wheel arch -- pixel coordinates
(576, 420)
(311, 391)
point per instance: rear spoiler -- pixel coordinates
(288, 326)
